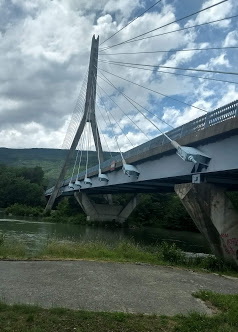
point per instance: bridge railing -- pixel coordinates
(221, 114)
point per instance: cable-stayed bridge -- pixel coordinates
(157, 167)
(199, 160)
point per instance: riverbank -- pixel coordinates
(125, 251)
(34, 233)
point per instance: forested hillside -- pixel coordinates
(21, 185)
(50, 160)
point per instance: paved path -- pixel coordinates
(99, 286)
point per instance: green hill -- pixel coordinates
(50, 160)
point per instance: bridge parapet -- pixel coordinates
(226, 112)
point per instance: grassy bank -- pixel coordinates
(31, 318)
(163, 254)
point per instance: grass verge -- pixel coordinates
(163, 254)
(26, 318)
(10, 248)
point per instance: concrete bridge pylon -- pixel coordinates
(88, 116)
(214, 215)
(106, 212)
(94, 212)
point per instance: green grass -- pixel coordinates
(164, 254)
(226, 320)
(9, 248)
(21, 318)
(122, 252)
(24, 318)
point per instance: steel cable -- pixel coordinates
(178, 74)
(167, 24)
(157, 92)
(131, 21)
(135, 102)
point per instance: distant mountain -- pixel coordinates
(50, 160)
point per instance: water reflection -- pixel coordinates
(36, 233)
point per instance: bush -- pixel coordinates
(24, 210)
(212, 263)
(171, 253)
(161, 210)
(64, 213)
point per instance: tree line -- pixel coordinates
(22, 193)
(21, 185)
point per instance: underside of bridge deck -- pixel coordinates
(106, 212)
(226, 179)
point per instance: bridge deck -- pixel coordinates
(211, 127)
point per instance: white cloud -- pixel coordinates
(124, 6)
(28, 5)
(44, 54)
(56, 35)
(230, 94)
(213, 63)
(231, 39)
(214, 13)
(221, 61)
(178, 118)
(19, 136)
(7, 104)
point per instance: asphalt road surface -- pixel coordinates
(99, 286)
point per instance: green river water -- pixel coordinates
(36, 233)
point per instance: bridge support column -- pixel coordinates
(105, 212)
(214, 215)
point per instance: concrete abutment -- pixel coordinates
(105, 212)
(214, 215)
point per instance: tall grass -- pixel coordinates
(123, 251)
(126, 251)
(11, 249)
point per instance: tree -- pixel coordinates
(17, 189)
(34, 174)
(162, 210)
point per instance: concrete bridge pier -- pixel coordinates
(214, 215)
(105, 212)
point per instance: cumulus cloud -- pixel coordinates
(231, 39)
(215, 13)
(44, 54)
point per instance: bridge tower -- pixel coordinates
(88, 116)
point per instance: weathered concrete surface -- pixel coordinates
(105, 212)
(110, 287)
(214, 215)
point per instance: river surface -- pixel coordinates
(35, 234)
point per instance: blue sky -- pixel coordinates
(44, 57)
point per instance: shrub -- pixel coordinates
(212, 263)
(171, 253)
(24, 210)
(65, 213)
(161, 210)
